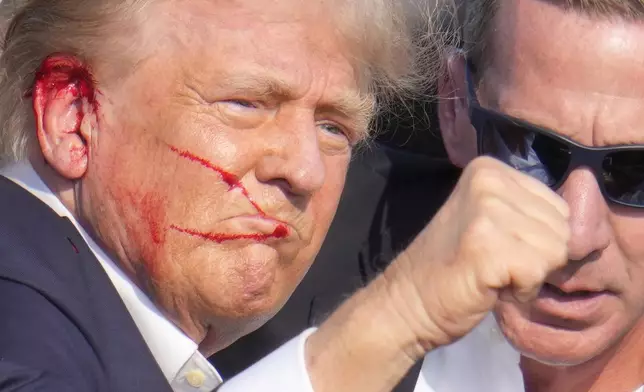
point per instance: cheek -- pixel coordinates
(324, 203)
(132, 196)
(629, 232)
(148, 230)
(630, 244)
(328, 198)
(322, 207)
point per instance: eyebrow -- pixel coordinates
(353, 105)
(357, 108)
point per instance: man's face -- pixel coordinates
(584, 79)
(219, 161)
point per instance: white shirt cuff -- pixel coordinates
(284, 370)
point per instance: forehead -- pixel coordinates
(280, 41)
(581, 76)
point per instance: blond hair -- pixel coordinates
(92, 29)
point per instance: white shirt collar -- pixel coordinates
(171, 348)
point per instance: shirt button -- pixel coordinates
(195, 378)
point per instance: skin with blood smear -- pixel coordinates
(59, 75)
(280, 231)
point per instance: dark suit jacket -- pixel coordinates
(63, 326)
(390, 195)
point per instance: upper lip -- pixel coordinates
(297, 222)
(570, 288)
(577, 280)
(267, 224)
(260, 218)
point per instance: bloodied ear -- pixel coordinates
(64, 104)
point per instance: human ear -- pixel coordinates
(457, 132)
(64, 105)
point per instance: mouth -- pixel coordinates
(555, 291)
(570, 307)
(257, 229)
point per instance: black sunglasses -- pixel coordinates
(550, 157)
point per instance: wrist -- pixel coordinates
(365, 345)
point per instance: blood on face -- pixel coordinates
(233, 182)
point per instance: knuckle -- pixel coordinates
(548, 195)
(550, 258)
(539, 276)
(564, 208)
(531, 277)
(478, 238)
(564, 231)
(482, 224)
(545, 193)
(485, 181)
(560, 255)
(489, 206)
(557, 201)
(493, 273)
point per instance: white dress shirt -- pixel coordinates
(482, 361)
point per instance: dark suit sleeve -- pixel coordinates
(40, 347)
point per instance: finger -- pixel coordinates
(534, 208)
(510, 275)
(487, 174)
(508, 295)
(523, 297)
(546, 231)
(516, 251)
(530, 237)
(512, 249)
(529, 270)
(527, 293)
(540, 191)
(526, 275)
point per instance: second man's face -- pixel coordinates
(588, 87)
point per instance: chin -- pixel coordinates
(551, 344)
(236, 300)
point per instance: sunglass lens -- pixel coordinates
(624, 176)
(539, 155)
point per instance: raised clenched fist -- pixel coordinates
(500, 233)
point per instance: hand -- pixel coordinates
(500, 234)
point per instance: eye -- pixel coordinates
(334, 129)
(242, 113)
(242, 104)
(336, 138)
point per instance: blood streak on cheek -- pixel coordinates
(58, 75)
(152, 211)
(228, 178)
(281, 231)
(148, 233)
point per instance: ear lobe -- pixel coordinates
(62, 98)
(458, 134)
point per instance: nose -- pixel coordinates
(590, 228)
(292, 157)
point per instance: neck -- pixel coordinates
(61, 187)
(64, 190)
(618, 369)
